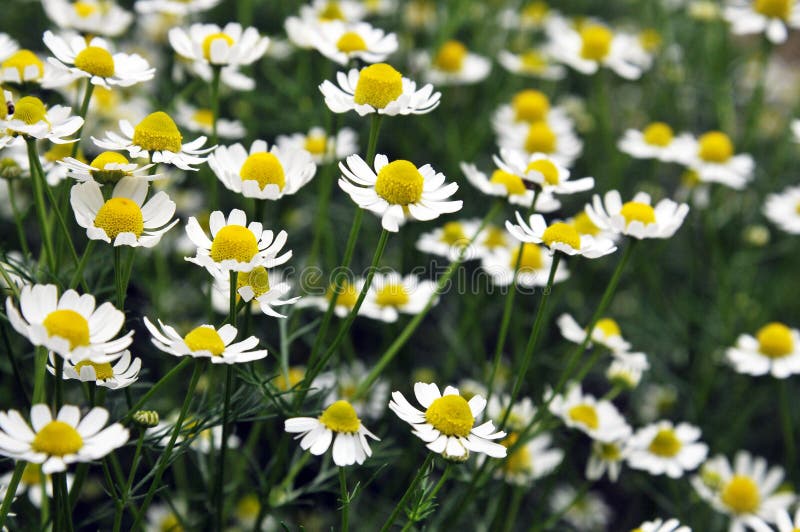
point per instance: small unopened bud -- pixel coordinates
(146, 418)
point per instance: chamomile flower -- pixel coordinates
(203, 437)
(534, 266)
(124, 219)
(202, 121)
(541, 170)
(454, 64)
(531, 460)
(346, 299)
(774, 350)
(378, 88)
(447, 425)
(783, 209)
(213, 45)
(235, 246)
(344, 43)
(32, 119)
(713, 158)
(263, 288)
(22, 66)
(342, 384)
(302, 29)
(540, 139)
(122, 374)
(56, 443)
(522, 412)
(510, 186)
(655, 141)
(663, 448)
(177, 8)
(75, 59)
(91, 17)
(452, 240)
(158, 138)
(532, 15)
(659, 525)
(773, 18)
(559, 236)
(161, 517)
(606, 332)
(626, 369)
(637, 218)
(32, 481)
(784, 521)
(391, 294)
(206, 341)
(606, 458)
(261, 172)
(323, 149)
(69, 325)
(528, 107)
(350, 445)
(746, 490)
(108, 168)
(599, 419)
(533, 63)
(583, 511)
(397, 191)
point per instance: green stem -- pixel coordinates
(87, 97)
(214, 88)
(38, 199)
(421, 472)
(118, 275)
(220, 480)
(786, 422)
(234, 276)
(131, 475)
(77, 277)
(59, 384)
(40, 369)
(511, 514)
(12, 199)
(11, 492)
(345, 499)
(432, 494)
(154, 388)
(61, 480)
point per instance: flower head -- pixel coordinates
(510, 186)
(454, 64)
(637, 218)
(559, 236)
(32, 119)
(543, 171)
(783, 209)
(92, 17)
(599, 419)
(107, 168)
(529, 262)
(656, 141)
(22, 66)
(121, 375)
(774, 350)
(343, 42)
(773, 18)
(606, 332)
(391, 294)
(713, 158)
(206, 341)
(264, 288)
(663, 448)
(211, 44)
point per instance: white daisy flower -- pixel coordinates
(659, 525)
(206, 342)
(585, 511)
(92, 17)
(774, 350)
(782, 519)
(637, 218)
(507, 185)
(56, 443)
(302, 29)
(31, 482)
(656, 401)
(107, 168)
(663, 448)
(533, 63)
(211, 44)
(348, 293)
(540, 139)
(122, 374)
(606, 457)
(342, 384)
(783, 209)
(453, 64)
(746, 490)
(713, 158)
(655, 141)
(265, 290)
(322, 149)
(350, 445)
(447, 425)
(158, 138)
(531, 460)
(773, 18)
(542, 170)
(177, 8)
(398, 190)
(69, 325)
(378, 88)
(534, 266)
(343, 43)
(522, 412)
(532, 15)
(22, 66)
(125, 219)
(559, 236)
(527, 107)
(452, 238)
(77, 59)
(235, 246)
(606, 332)
(32, 119)
(161, 517)
(262, 173)
(599, 419)
(203, 438)
(391, 294)
(626, 369)
(202, 121)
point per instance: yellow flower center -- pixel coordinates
(540, 139)
(234, 242)
(316, 145)
(715, 147)
(331, 12)
(665, 443)
(209, 41)
(99, 163)
(774, 8)
(378, 85)
(341, 417)
(453, 233)
(392, 295)
(797, 208)
(103, 371)
(399, 183)
(57, 439)
(584, 414)
(584, 225)
(512, 183)
(535, 12)
(158, 132)
(205, 338)
(658, 134)
(265, 168)
(530, 106)
(495, 238)
(59, 151)
(120, 215)
(595, 42)
(533, 62)
(650, 40)
(348, 294)
(450, 415)
(563, 233)
(204, 117)
(69, 325)
(520, 461)
(547, 168)
(610, 452)
(170, 523)
(295, 375)
(84, 9)
(96, 61)
(531, 259)
(635, 211)
(21, 60)
(741, 495)
(30, 110)
(248, 507)
(32, 474)
(608, 327)
(257, 279)
(450, 57)
(775, 340)
(351, 42)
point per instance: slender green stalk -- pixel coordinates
(77, 277)
(15, 365)
(154, 388)
(61, 480)
(41, 212)
(214, 89)
(421, 472)
(757, 100)
(786, 422)
(87, 98)
(11, 491)
(39, 371)
(131, 475)
(118, 275)
(59, 384)
(511, 513)
(219, 486)
(18, 221)
(234, 277)
(432, 494)
(345, 499)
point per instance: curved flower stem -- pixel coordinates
(786, 422)
(432, 495)
(40, 369)
(155, 387)
(345, 499)
(77, 277)
(87, 98)
(421, 472)
(219, 486)
(41, 213)
(11, 491)
(12, 200)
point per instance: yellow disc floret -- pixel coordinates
(518, 462)
(84, 9)
(547, 168)
(775, 340)
(584, 414)
(658, 134)
(378, 85)
(32, 474)
(331, 11)
(316, 144)
(635, 211)
(257, 279)
(234, 242)
(584, 225)
(609, 451)
(205, 338)
(453, 233)
(208, 42)
(715, 147)
(530, 105)
(351, 42)
(533, 62)
(30, 110)
(392, 295)
(595, 42)
(400, 183)
(665, 443)
(340, 417)
(535, 12)
(158, 132)
(541, 138)
(21, 61)
(650, 39)
(102, 371)
(57, 439)
(287, 382)
(348, 294)
(204, 117)
(450, 415)
(512, 183)
(108, 175)
(95, 61)
(781, 9)
(450, 57)
(495, 237)
(531, 259)
(265, 168)
(563, 233)
(120, 215)
(69, 325)
(741, 495)
(608, 326)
